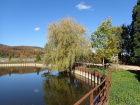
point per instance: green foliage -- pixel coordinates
(125, 89)
(136, 29)
(66, 44)
(106, 40)
(88, 57)
(126, 44)
(37, 58)
(10, 57)
(131, 37)
(133, 59)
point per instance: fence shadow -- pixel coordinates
(137, 72)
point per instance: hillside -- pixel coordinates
(16, 51)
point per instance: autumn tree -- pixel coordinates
(106, 40)
(66, 44)
(21, 56)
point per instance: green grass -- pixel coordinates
(125, 89)
(100, 70)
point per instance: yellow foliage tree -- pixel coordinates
(106, 40)
(66, 44)
(21, 56)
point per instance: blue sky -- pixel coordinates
(24, 22)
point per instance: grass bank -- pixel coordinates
(100, 70)
(125, 88)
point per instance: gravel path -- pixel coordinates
(128, 67)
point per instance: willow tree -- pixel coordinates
(66, 44)
(106, 40)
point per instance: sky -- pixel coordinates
(25, 22)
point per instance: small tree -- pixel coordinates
(106, 40)
(38, 57)
(21, 56)
(10, 57)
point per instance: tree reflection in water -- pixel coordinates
(38, 70)
(19, 70)
(62, 89)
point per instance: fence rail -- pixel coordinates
(103, 94)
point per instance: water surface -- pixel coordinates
(34, 86)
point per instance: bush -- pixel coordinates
(10, 57)
(35, 60)
(38, 58)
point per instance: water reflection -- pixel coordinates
(40, 87)
(38, 70)
(19, 70)
(62, 89)
(10, 71)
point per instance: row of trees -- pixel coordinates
(10, 56)
(67, 42)
(38, 58)
(16, 51)
(131, 38)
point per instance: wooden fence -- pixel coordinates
(103, 95)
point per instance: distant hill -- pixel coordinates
(16, 51)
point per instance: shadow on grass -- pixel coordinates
(137, 72)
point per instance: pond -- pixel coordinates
(36, 86)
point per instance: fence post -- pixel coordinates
(91, 99)
(111, 78)
(108, 86)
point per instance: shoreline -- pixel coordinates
(23, 65)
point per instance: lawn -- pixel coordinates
(125, 88)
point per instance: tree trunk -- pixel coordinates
(103, 61)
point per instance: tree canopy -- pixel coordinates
(106, 40)
(136, 31)
(66, 44)
(10, 57)
(38, 58)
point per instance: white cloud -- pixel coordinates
(36, 90)
(37, 29)
(82, 6)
